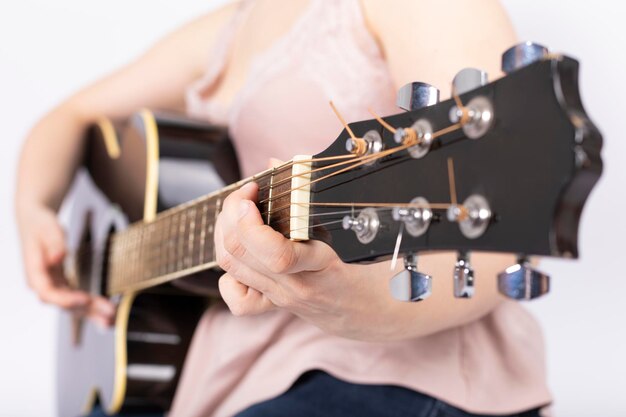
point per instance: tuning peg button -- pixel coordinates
(469, 79)
(463, 278)
(522, 282)
(521, 55)
(415, 95)
(410, 284)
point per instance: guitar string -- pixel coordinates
(362, 160)
(377, 206)
(129, 279)
(168, 241)
(351, 158)
(412, 140)
(435, 135)
(386, 125)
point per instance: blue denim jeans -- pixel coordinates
(97, 412)
(318, 394)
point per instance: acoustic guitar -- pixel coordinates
(504, 166)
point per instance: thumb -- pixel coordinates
(52, 240)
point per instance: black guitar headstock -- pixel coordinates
(502, 167)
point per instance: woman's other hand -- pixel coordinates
(42, 182)
(43, 247)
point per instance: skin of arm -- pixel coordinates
(41, 185)
(425, 41)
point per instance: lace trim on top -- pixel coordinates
(353, 58)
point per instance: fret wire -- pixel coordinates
(198, 235)
(154, 229)
(135, 255)
(218, 209)
(143, 250)
(174, 237)
(138, 254)
(170, 242)
(205, 209)
(123, 262)
(129, 258)
(147, 246)
(208, 241)
(163, 246)
(180, 240)
(124, 271)
(142, 253)
(192, 230)
(154, 235)
(269, 198)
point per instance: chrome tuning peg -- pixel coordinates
(521, 55)
(415, 95)
(469, 79)
(463, 277)
(410, 284)
(522, 282)
(473, 217)
(366, 225)
(416, 218)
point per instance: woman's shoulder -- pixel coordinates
(440, 33)
(213, 22)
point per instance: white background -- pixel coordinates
(48, 49)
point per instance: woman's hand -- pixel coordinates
(264, 271)
(41, 185)
(43, 246)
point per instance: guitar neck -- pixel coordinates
(180, 241)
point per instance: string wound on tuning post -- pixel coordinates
(354, 145)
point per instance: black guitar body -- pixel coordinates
(153, 163)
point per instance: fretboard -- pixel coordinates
(180, 241)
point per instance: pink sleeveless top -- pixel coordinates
(493, 365)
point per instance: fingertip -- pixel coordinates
(56, 255)
(104, 307)
(250, 189)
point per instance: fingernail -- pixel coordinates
(244, 206)
(106, 309)
(248, 186)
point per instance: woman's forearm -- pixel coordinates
(49, 158)
(385, 319)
